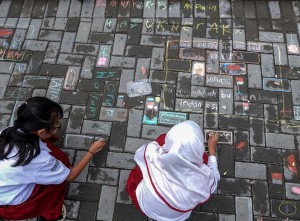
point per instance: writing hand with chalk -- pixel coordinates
(212, 143)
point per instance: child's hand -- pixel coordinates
(97, 146)
(212, 143)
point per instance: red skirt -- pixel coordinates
(136, 176)
(45, 200)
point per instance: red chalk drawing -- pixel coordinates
(291, 161)
(276, 178)
(240, 145)
(296, 190)
(5, 33)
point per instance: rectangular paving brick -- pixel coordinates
(233, 186)
(266, 155)
(226, 161)
(93, 106)
(271, 36)
(120, 160)
(151, 132)
(223, 81)
(83, 32)
(117, 142)
(122, 195)
(295, 85)
(284, 208)
(70, 97)
(75, 119)
(96, 127)
(219, 204)
(84, 192)
(134, 123)
(284, 141)
(244, 208)
(106, 203)
(257, 133)
(105, 176)
(250, 170)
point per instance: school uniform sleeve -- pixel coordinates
(52, 171)
(213, 165)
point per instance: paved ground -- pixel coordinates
(232, 66)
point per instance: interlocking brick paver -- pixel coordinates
(226, 64)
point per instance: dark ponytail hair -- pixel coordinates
(35, 114)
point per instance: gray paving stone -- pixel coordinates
(254, 76)
(105, 176)
(35, 45)
(250, 170)
(119, 44)
(87, 9)
(51, 35)
(134, 123)
(68, 42)
(120, 160)
(267, 65)
(6, 107)
(88, 65)
(271, 36)
(75, 9)
(11, 22)
(48, 23)
(295, 85)
(72, 208)
(284, 141)
(113, 114)
(75, 120)
(126, 76)
(34, 29)
(274, 9)
(124, 62)
(54, 89)
(244, 209)
(96, 127)
(84, 191)
(294, 60)
(280, 54)
(6, 67)
(63, 8)
(4, 8)
(99, 10)
(151, 132)
(82, 177)
(289, 193)
(78, 141)
(156, 60)
(83, 32)
(106, 203)
(23, 23)
(132, 144)
(226, 217)
(52, 53)
(60, 24)
(122, 195)
(69, 59)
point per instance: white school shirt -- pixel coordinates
(17, 183)
(151, 204)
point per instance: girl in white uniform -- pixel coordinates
(35, 173)
(172, 178)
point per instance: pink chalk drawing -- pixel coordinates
(102, 61)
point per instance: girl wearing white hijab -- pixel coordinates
(171, 180)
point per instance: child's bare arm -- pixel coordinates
(78, 168)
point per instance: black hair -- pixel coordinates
(35, 114)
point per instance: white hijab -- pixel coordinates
(176, 172)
